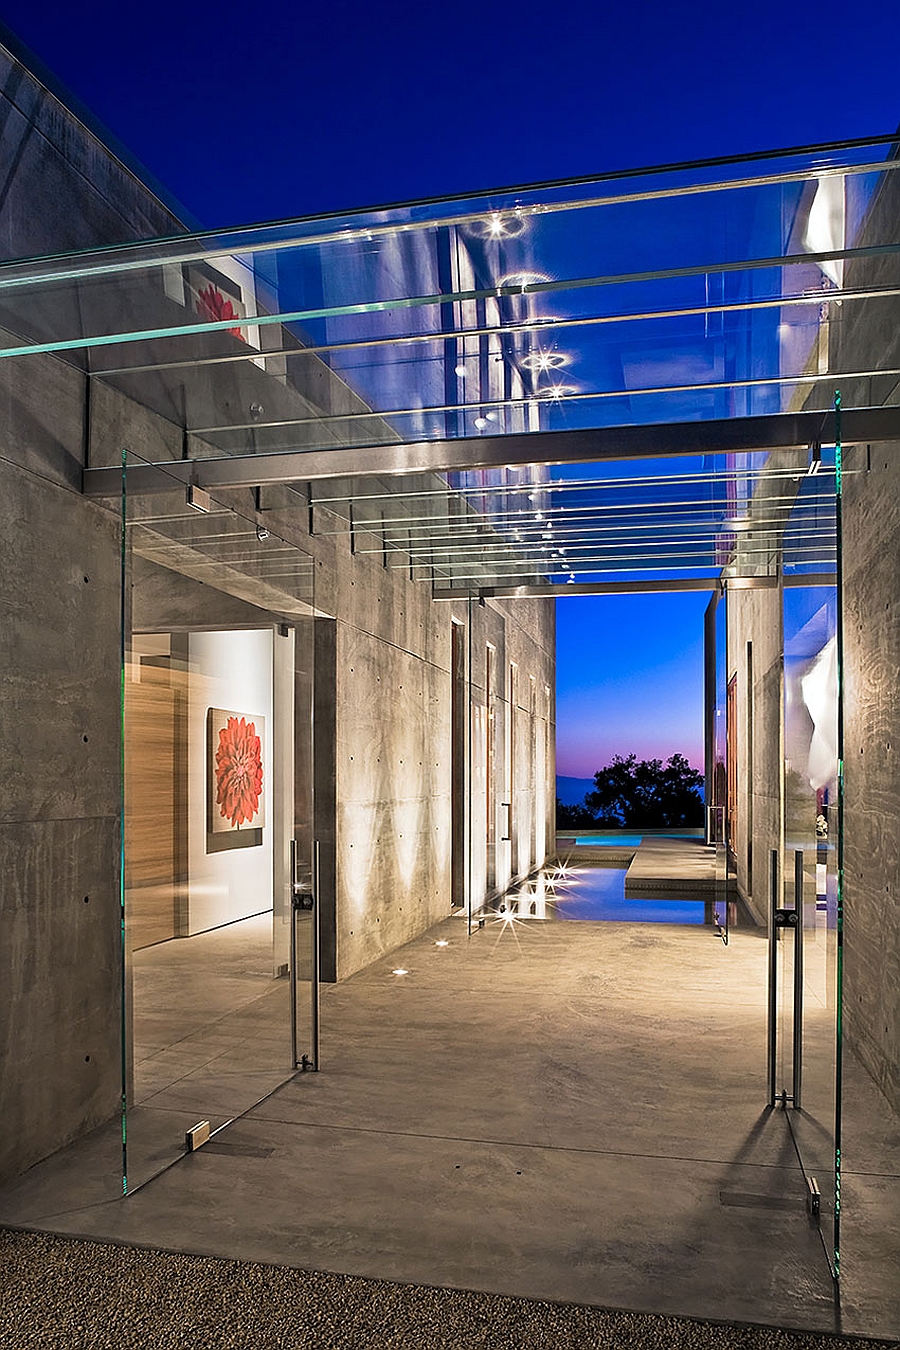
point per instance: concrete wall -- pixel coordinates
(866, 335)
(755, 618)
(392, 782)
(872, 763)
(389, 653)
(60, 960)
(60, 188)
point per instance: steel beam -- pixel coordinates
(709, 584)
(777, 431)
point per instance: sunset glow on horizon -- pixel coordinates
(629, 679)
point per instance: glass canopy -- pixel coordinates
(571, 383)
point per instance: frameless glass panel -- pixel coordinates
(217, 680)
(635, 521)
(810, 988)
(708, 291)
(721, 805)
(302, 905)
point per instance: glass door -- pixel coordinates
(806, 916)
(805, 885)
(219, 924)
(296, 930)
(722, 749)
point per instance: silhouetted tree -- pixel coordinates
(646, 793)
(574, 817)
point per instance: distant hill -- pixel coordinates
(570, 791)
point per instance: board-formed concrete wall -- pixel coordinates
(382, 693)
(754, 625)
(393, 759)
(862, 335)
(61, 971)
(872, 762)
(866, 335)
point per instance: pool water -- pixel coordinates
(615, 837)
(622, 840)
(598, 893)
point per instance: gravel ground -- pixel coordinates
(72, 1295)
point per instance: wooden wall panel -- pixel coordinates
(155, 820)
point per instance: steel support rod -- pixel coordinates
(798, 979)
(773, 977)
(292, 973)
(314, 972)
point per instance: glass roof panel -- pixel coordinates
(685, 294)
(635, 523)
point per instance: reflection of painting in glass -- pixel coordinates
(234, 771)
(819, 687)
(214, 297)
(811, 697)
(213, 305)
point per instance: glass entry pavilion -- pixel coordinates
(647, 381)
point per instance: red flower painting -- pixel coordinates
(239, 773)
(212, 304)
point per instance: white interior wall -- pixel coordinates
(228, 670)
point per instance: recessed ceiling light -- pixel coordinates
(556, 391)
(545, 360)
(442, 942)
(400, 971)
(522, 279)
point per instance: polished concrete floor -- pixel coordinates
(562, 1110)
(211, 1036)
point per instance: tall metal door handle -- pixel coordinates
(772, 1056)
(798, 979)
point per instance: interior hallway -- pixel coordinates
(572, 1111)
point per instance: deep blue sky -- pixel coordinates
(253, 112)
(270, 110)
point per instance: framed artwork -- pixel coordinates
(235, 772)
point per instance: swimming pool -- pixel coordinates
(598, 894)
(622, 840)
(613, 840)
